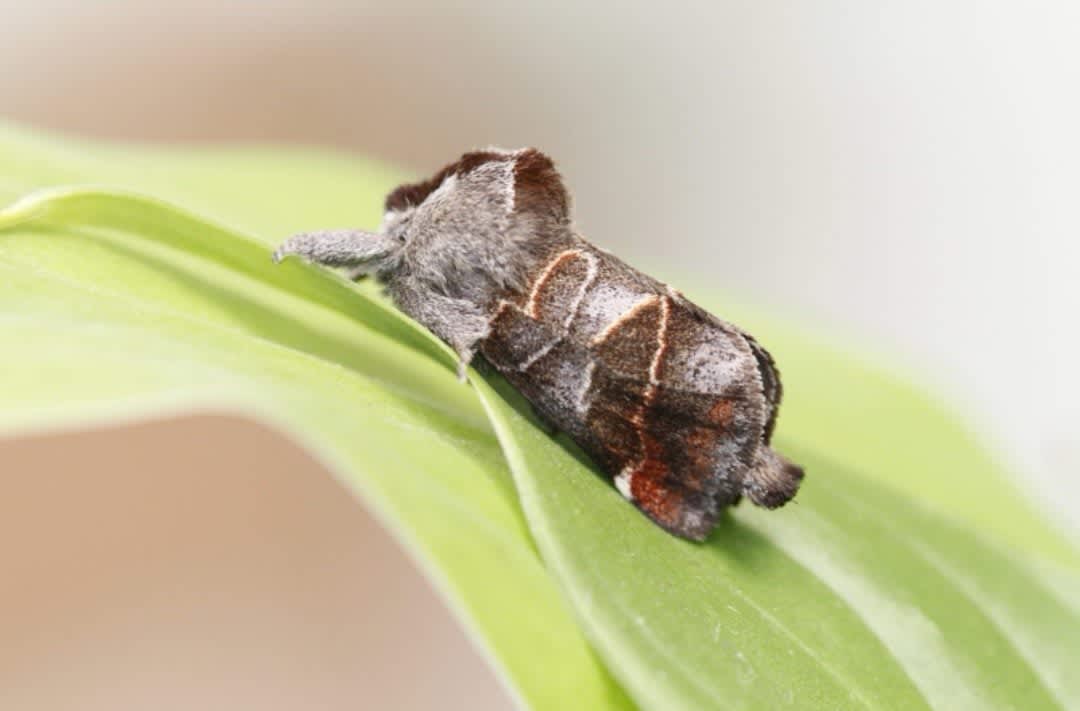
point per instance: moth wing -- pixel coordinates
(530, 343)
(673, 412)
(771, 386)
(659, 393)
(769, 480)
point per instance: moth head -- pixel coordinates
(395, 223)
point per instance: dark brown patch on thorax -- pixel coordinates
(538, 188)
(412, 194)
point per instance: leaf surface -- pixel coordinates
(855, 596)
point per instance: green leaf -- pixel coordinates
(882, 427)
(116, 307)
(855, 597)
(887, 585)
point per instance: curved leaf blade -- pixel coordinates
(819, 605)
(113, 308)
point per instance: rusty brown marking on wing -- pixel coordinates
(721, 413)
(666, 498)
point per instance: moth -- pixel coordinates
(676, 405)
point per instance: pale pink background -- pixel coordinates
(208, 564)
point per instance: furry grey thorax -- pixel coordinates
(465, 241)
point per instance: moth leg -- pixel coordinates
(355, 273)
(458, 322)
(772, 480)
(337, 248)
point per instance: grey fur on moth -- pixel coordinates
(676, 405)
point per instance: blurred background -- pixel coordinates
(901, 175)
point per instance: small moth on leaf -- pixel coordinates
(673, 403)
